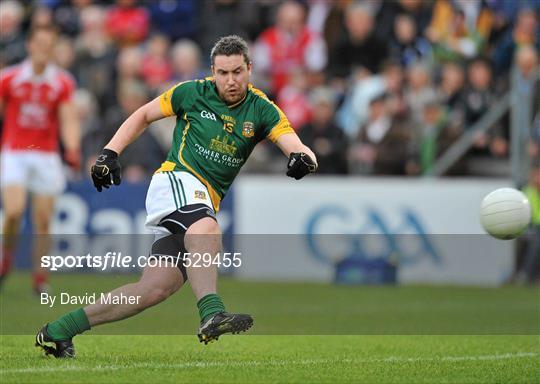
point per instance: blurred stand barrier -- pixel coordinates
(327, 229)
(519, 101)
(523, 95)
(427, 230)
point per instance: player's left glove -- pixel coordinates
(106, 171)
(299, 165)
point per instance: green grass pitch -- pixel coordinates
(305, 333)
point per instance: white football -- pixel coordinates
(505, 213)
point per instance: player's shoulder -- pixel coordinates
(259, 96)
(10, 72)
(261, 100)
(195, 86)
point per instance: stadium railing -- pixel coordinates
(519, 101)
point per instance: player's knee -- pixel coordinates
(42, 221)
(203, 236)
(156, 295)
(13, 214)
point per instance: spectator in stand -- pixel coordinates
(334, 23)
(417, 10)
(479, 94)
(286, 48)
(451, 91)
(327, 139)
(407, 47)
(526, 62)
(129, 64)
(530, 268)
(12, 43)
(358, 50)
(434, 135)
(525, 32)
(478, 98)
(381, 147)
(91, 127)
(175, 19)
(526, 69)
(186, 61)
(459, 29)
(265, 13)
(355, 108)
(64, 53)
(95, 57)
(294, 101)
(126, 23)
(223, 18)
(504, 17)
(156, 68)
(42, 16)
(420, 89)
(68, 16)
(132, 94)
(534, 143)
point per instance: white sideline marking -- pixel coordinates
(251, 363)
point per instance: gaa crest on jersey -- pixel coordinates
(248, 129)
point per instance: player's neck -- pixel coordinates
(38, 68)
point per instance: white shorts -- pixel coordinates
(170, 191)
(37, 171)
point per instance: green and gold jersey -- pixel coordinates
(212, 140)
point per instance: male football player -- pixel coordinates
(37, 107)
(219, 122)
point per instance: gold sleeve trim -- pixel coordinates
(279, 131)
(282, 127)
(165, 102)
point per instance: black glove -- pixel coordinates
(299, 165)
(107, 170)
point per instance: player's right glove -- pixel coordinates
(299, 165)
(106, 171)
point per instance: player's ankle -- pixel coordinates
(210, 305)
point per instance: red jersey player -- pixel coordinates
(37, 108)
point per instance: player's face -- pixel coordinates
(231, 74)
(41, 46)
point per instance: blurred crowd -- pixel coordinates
(374, 87)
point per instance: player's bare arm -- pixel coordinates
(70, 132)
(107, 170)
(135, 125)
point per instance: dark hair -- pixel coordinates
(228, 46)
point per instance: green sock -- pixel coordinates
(210, 305)
(68, 325)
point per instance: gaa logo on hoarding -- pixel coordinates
(335, 234)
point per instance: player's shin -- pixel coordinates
(202, 276)
(40, 275)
